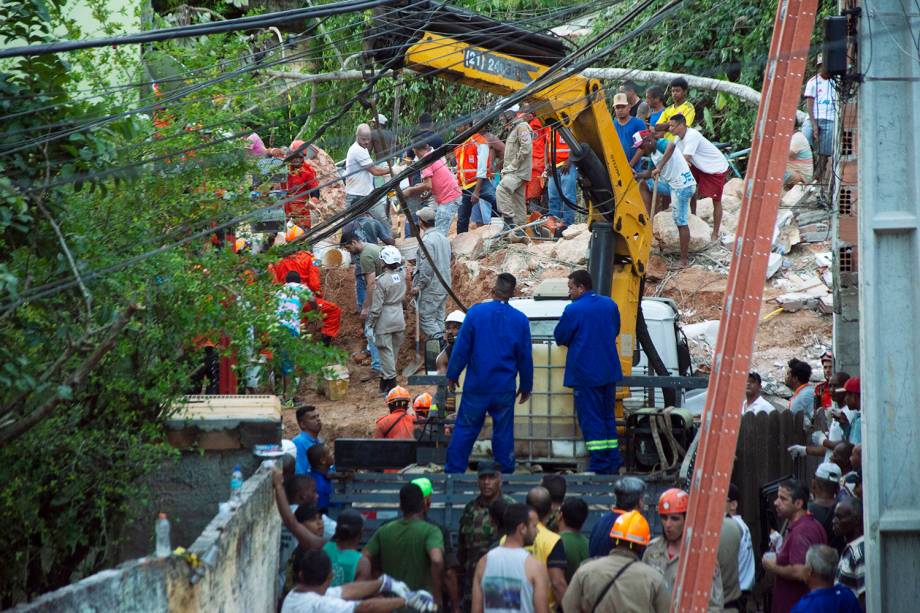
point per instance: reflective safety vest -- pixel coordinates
(562, 150)
(467, 157)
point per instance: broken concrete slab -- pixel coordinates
(804, 218)
(775, 263)
(574, 250)
(574, 230)
(667, 239)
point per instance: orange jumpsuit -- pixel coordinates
(535, 185)
(302, 263)
(298, 186)
(397, 424)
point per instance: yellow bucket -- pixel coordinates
(336, 389)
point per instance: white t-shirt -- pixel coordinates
(358, 180)
(676, 173)
(745, 556)
(758, 406)
(825, 97)
(311, 602)
(702, 153)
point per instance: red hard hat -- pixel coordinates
(673, 501)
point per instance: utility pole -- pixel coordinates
(889, 301)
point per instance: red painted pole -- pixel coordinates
(783, 78)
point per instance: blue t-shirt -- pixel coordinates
(600, 544)
(653, 118)
(303, 442)
(625, 132)
(837, 599)
(323, 489)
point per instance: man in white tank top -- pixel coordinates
(508, 579)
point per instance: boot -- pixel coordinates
(383, 386)
(388, 384)
(327, 340)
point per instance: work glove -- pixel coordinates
(818, 438)
(796, 451)
(394, 586)
(421, 601)
(776, 540)
(835, 433)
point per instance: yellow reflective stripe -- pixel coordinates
(601, 445)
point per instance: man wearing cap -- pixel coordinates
(663, 553)
(708, 165)
(476, 534)
(753, 401)
(588, 328)
(824, 489)
(628, 494)
(626, 124)
(495, 350)
(451, 330)
(385, 316)
(441, 183)
(851, 417)
(620, 581)
(451, 564)
(430, 293)
(675, 172)
(821, 105)
(360, 171)
(516, 171)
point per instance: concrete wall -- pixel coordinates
(241, 564)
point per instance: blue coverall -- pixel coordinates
(494, 347)
(589, 327)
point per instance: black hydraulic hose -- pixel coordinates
(555, 174)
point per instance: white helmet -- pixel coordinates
(456, 317)
(390, 255)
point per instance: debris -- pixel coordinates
(666, 235)
(656, 268)
(574, 250)
(574, 230)
(775, 263)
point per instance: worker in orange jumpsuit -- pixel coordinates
(302, 262)
(534, 191)
(399, 423)
(301, 186)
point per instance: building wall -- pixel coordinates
(241, 556)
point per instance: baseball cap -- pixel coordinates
(828, 471)
(850, 387)
(639, 136)
(426, 214)
(488, 467)
(423, 484)
(381, 118)
(620, 100)
(515, 108)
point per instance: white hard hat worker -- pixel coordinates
(390, 255)
(455, 317)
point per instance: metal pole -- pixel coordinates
(889, 292)
(741, 311)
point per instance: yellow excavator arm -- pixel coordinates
(575, 103)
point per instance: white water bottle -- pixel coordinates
(236, 484)
(163, 548)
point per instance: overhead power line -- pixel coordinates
(217, 27)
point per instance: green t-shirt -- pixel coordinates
(402, 548)
(344, 563)
(576, 551)
(370, 259)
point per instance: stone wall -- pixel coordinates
(240, 564)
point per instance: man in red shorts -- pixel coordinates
(302, 263)
(708, 165)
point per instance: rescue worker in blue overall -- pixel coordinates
(589, 327)
(494, 348)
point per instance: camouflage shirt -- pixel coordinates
(477, 534)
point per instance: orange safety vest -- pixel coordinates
(468, 160)
(562, 150)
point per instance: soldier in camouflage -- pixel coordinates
(477, 533)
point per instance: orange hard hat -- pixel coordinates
(673, 501)
(422, 401)
(631, 527)
(293, 232)
(398, 393)
(240, 244)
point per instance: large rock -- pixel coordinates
(574, 250)
(574, 230)
(467, 245)
(733, 189)
(667, 239)
(656, 268)
(704, 209)
(331, 196)
(518, 264)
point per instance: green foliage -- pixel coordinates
(117, 191)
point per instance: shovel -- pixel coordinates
(413, 366)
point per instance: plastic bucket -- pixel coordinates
(336, 258)
(335, 382)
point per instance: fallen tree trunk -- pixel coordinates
(742, 92)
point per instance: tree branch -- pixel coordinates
(23, 425)
(87, 297)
